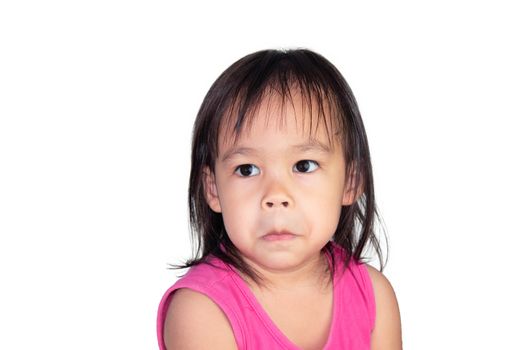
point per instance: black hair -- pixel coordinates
(233, 99)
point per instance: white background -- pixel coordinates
(97, 100)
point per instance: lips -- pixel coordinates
(279, 236)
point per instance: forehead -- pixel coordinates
(295, 114)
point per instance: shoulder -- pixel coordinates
(194, 321)
(387, 329)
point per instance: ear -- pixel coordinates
(354, 188)
(210, 190)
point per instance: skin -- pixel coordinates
(279, 177)
(276, 194)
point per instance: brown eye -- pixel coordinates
(306, 166)
(246, 170)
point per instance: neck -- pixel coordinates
(311, 274)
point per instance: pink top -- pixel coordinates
(353, 314)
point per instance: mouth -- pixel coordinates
(278, 236)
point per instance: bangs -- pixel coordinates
(270, 85)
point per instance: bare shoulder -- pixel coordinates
(194, 321)
(387, 331)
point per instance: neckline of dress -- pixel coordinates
(270, 325)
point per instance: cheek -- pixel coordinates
(325, 191)
(238, 205)
(324, 206)
(237, 196)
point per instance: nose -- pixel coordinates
(271, 204)
(277, 195)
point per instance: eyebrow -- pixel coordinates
(311, 145)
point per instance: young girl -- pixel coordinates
(282, 207)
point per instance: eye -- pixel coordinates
(246, 170)
(305, 166)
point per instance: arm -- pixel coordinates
(387, 331)
(194, 321)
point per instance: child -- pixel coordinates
(282, 206)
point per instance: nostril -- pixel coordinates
(270, 204)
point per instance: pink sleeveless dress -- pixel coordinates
(353, 313)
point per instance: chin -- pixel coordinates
(281, 263)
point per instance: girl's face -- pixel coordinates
(279, 188)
